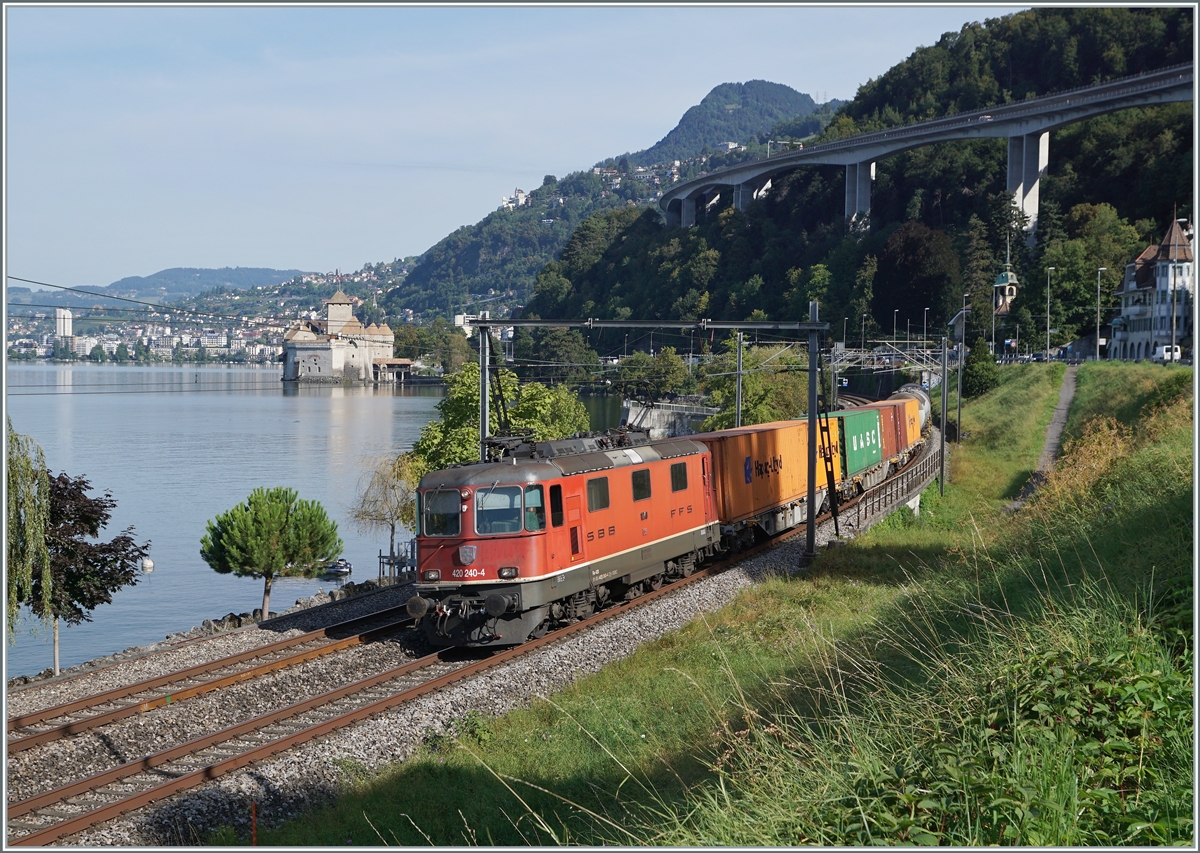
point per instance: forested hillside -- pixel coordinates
(499, 257)
(940, 214)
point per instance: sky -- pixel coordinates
(318, 138)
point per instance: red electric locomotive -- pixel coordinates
(554, 530)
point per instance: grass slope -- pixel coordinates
(961, 676)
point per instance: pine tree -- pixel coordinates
(272, 534)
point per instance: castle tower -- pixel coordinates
(339, 311)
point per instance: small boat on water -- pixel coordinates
(341, 566)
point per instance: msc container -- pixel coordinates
(892, 429)
(758, 468)
(859, 442)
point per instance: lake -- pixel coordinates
(177, 445)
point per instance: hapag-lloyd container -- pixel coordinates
(760, 467)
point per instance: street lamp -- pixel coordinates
(895, 315)
(1100, 270)
(845, 320)
(1048, 311)
(925, 329)
(862, 344)
(907, 333)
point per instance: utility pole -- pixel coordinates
(1048, 312)
(945, 402)
(1102, 269)
(862, 344)
(962, 349)
(737, 422)
(484, 334)
(814, 327)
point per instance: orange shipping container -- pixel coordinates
(912, 420)
(758, 468)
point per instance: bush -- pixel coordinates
(980, 373)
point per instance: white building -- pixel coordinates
(62, 322)
(338, 347)
(1157, 277)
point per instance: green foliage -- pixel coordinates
(27, 518)
(980, 372)
(639, 375)
(529, 409)
(270, 535)
(1094, 236)
(774, 385)
(98, 354)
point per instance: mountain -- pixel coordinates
(189, 281)
(731, 112)
(165, 286)
(492, 264)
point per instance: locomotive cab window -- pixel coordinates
(556, 506)
(679, 477)
(498, 510)
(441, 512)
(641, 484)
(535, 509)
(597, 491)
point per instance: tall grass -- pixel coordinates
(957, 677)
(1051, 707)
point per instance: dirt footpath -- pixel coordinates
(1053, 438)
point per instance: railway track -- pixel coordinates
(36, 728)
(67, 809)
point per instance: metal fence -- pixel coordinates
(899, 489)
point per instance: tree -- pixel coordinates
(122, 353)
(774, 386)
(272, 534)
(83, 574)
(980, 373)
(28, 514)
(98, 354)
(389, 496)
(533, 409)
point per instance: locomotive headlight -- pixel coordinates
(508, 572)
(431, 575)
(466, 493)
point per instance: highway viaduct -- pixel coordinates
(1025, 124)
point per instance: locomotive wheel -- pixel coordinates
(540, 631)
(655, 582)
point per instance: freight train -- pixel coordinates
(549, 532)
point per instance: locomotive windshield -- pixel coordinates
(441, 512)
(498, 510)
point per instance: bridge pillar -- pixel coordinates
(858, 190)
(743, 194)
(671, 215)
(687, 213)
(1028, 157)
